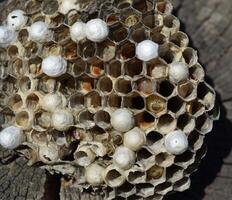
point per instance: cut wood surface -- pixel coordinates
(208, 23)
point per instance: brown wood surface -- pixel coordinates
(208, 23)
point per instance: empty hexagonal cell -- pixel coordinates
(123, 86)
(85, 119)
(166, 123)
(49, 6)
(145, 190)
(154, 141)
(12, 51)
(67, 84)
(186, 123)
(134, 101)
(176, 105)
(152, 20)
(102, 119)
(184, 159)
(195, 108)
(164, 7)
(86, 83)
(24, 119)
(33, 6)
(86, 49)
(23, 36)
(76, 101)
(158, 37)
(164, 159)
(56, 19)
(156, 104)
(93, 101)
(174, 173)
(164, 188)
(126, 50)
(118, 32)
(126, 190)
(16, 67)
(145, 120)
(51, 48)
(112, 18)
(136, 175)
(133, 67)
(105, 84)
(187, 91)
(130, 17)
(35, 65)
(171, 23)
(165, 88)
(106, 50)
(180, 39)
(120, 4)
(139, 33)
(26, 84)
(114, 68)
(9, 84)
(157, 69)
(143, 5)
(95, 67)
(114, 100)
(77, 67)
(15, 102)
(190, 56)
(196, 73)
(145, 86)
(170, 52)
(206, 93)
(195, 140)
(143, 155)
(33, 100)
(61, 33)
(30, 49)
(182, 184)
(204, 124)
(70, 50)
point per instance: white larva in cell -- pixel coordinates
(52, 101)
(39, 32)
(147, 50)
(7, 36)
(62, 120)
(17, 19)
(97, 30)
(78, 31)
(176, 142)
(123, 157)
(68, 5)
(11, 137)
(122, 120)
(134, 139)
(94, 174)
(54, 66)
(178, 71)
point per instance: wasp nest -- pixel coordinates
(108, 94)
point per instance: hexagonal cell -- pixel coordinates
(12, 51)
(51, 48)
(195, 108)
(164, 7)
(31, 49)
(114, 100)
(7, 117)
(95, 67)
(56, 20)
(145, 86)
(157, 69)
(48, 84)
(37, 17)
(35, 65)
(180, 39)
(134, 101)
(165, 88)
(130, 17)
(85, 119)
(174, 173)
(186, 123)
(61, 33)
(145, 120)
(126, 50)
(176, 105)
(86, 49)
(184, 159)
(190, 56)
(33, 100)
(182, 184)
(120, 4)
(118, 32)
(23, 36)
(126, 190)
(166, 123)
(102, 119)
(24, 119)
(105, 84)
(70, 50)
(156, 104)
(49, 6)
(26, 84)
(77, 67)
(17, 67)
(72, 16)
(86, 83)
(164, 188)
(33, 6)
(106, 50)
(42, 120)
(145, 190)
(196, 73)
(144, 154)
(152, 20)
(67, 84)
(157, 36)
(204, 124)
(155, 172)
(195, 140)
(154, 141)
(76, 101)
(164, 159)
(170, 52)
(187, 91)
(139, 33)
(133, 67)
(143, 5)
(123, 86)
(15, 102)
(114, 68)
(93, 101)
(207, 94)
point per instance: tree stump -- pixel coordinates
(207, 22)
